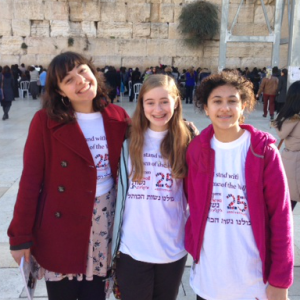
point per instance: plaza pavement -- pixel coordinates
(13, 133)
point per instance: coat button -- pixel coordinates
(61, 189)
(64, 164)
(58, 215)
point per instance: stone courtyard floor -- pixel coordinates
(13, 133)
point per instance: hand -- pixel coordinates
(18, 254)
(192, 126)
(274, 293)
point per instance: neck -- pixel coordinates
(227, 136)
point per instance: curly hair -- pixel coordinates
(233, 78)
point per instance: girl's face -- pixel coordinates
(224, 108)
(80, 87)
(159, 108)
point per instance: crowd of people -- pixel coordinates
(108, 202)
(11, 79)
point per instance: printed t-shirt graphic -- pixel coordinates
(93, 130)
(229, 266)
(155, 209)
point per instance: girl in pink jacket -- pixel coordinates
(239, 231)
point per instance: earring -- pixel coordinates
(63, 102)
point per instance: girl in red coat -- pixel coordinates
(65, 205)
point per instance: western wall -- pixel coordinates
(127, 33)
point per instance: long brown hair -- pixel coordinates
(56, 72)
(173, 146)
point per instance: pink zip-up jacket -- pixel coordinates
(268, 201)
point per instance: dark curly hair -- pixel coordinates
(233, 78)
(56, 72)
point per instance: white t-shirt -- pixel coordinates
(92, 128)
(230, 267)
(155, 209)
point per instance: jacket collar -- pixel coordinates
(259, 139)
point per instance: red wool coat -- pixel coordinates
(55, 201)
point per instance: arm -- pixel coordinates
(261, 88)
(21, 227)
(286, 128)
(279, 222)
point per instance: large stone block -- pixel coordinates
(154, 12)
(261, 50)
(5, 27)
(211, 50)
(28, 59)
(184, 50)
(185, 62)
(141, 30)
(174, 33)
(136, 46)
(167, 13)
(7, 59)
(101, 46)
(159, 31)
(113, 12)
(56, 10)
(59, 28)
(177, 12)
(40, 28)
(259, 17)
(11, 45)
(239, 50)
(252, 62)
(21, 27)
(102, 61)
(75, 29)
(114, 30)
(44, 59)
(6, 9)
(89, 28)
(137, 13)
(33, 10)
(36, 47)
(161, 47)
(85, 11)
(246, 14)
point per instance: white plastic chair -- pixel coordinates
(24, 87)
(129, 88)
(136, 90)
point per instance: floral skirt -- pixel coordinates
(99, 248)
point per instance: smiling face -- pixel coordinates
(224, 108)
(159, 108)
(80, 87)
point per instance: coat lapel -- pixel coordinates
(72, 137)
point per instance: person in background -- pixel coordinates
(33, 87)
(64, 211)
(281, 91)
(239, 232)
(269, 88)
(43, 77)
(7, 91)
(190, 82)
(287, 125)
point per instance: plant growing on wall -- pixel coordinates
(70, 41)
(198, 22)
(24, 46)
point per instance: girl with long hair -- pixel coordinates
(239, 231)
(287, 125)
(64, 211)
(151, 205)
